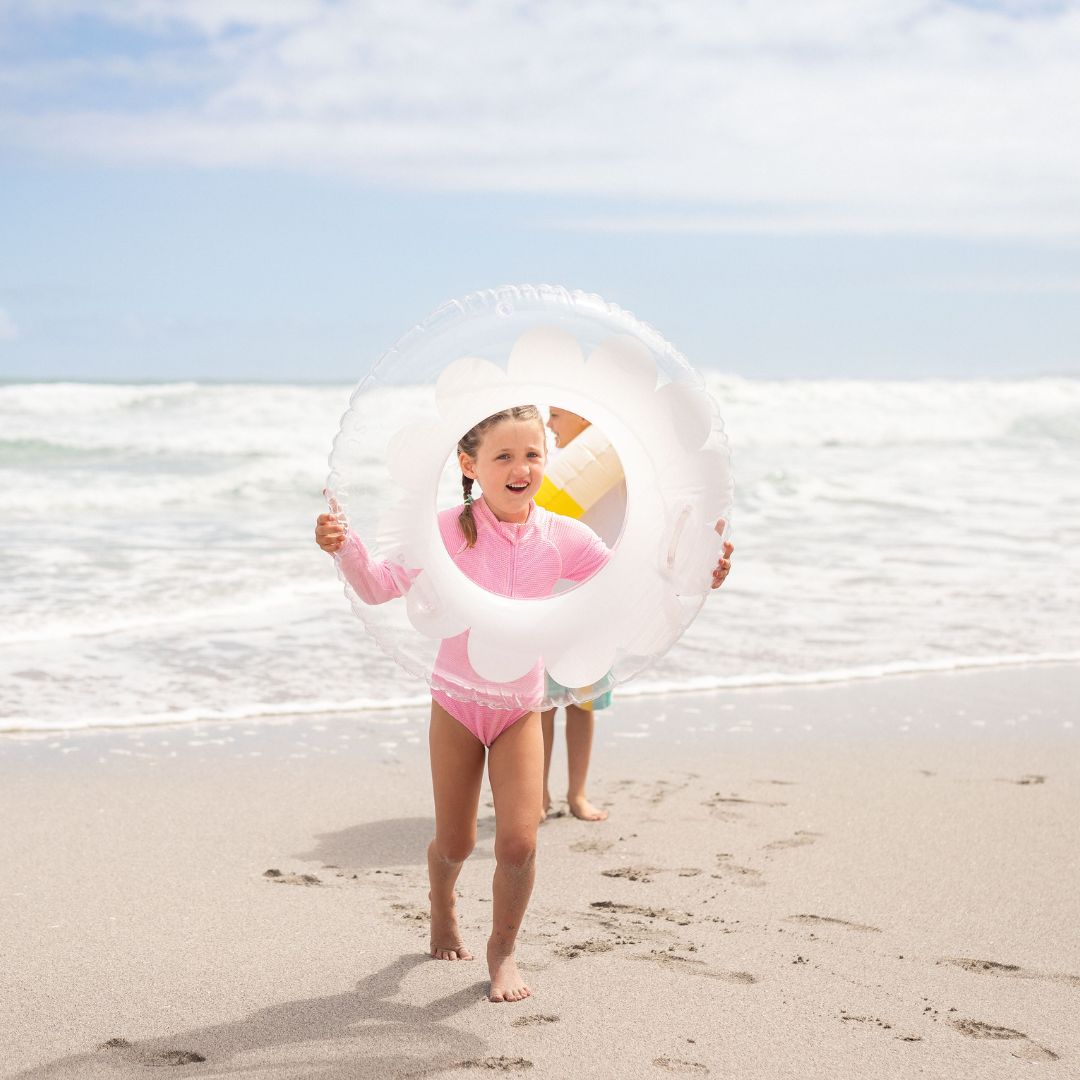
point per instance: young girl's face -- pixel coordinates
(509, 467)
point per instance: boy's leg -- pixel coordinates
(547, 723)
(457, 771)
(516, 772)
(579, 738)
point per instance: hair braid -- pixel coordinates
(465, 518)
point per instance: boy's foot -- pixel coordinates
(506, 981)
(581, 808)
(446, 943)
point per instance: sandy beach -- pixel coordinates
(871, 879)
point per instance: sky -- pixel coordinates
(238, 189)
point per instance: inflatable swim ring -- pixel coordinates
(580, 475)
(535, 345)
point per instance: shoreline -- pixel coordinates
(794, 882)
(762, 682)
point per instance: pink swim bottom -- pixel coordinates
(485, 723)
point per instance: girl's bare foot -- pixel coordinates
(506, 981)
(446, 943)
(581, 808)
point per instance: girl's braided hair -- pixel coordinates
(469, 444)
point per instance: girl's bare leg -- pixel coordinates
(516, 772)
(457, 771)
(547, 722)
(579, 737)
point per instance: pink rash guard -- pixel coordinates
(524, 561)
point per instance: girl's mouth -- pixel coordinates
(518, 488)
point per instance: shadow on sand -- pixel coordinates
(361, 1035)
(378, 844)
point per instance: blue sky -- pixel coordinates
(233, 189)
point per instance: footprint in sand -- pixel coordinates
(128, 1052)
(680, 918)
(738, 800)
(1008, 971)
(677, 1065)
(290, 879)
(825, 920)
(1025, 1049)
(662, 789)
(698, 967)
(415, 914)
(534, 1021)
(571, 952)
(800, 839)
(745, 875)
(884, 1024)
(633, 873)
(499, 1064)
(598, 846)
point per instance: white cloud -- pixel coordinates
(8, 330)
(886, 115)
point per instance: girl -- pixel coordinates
(511, 547)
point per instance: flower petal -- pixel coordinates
(549, 355)
(464, 379)
(583, 662)
(415, 454)
(428, 613)
(690, 413)
(624, 364)
(500, 659)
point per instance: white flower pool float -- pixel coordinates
(538, 345)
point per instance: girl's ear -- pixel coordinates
(468, 465)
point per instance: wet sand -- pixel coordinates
(870, 879)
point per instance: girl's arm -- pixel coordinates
(582, 551)
(374, 580)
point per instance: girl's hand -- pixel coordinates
(723, 566)
(330, 533)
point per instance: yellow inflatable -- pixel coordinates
(580, 475)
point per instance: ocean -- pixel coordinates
(157, 562)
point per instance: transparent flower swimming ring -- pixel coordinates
(537, 345)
